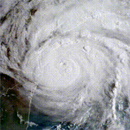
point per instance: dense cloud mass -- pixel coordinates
(72, 58)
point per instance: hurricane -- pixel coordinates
(72, 59)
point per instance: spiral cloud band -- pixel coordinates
(75, 58)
